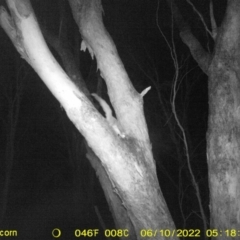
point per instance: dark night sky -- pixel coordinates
(45, 175)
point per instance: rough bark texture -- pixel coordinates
(224, 124)
(223, 139)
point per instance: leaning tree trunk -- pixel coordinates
(223, 138)
(121, 144)
(62, 47)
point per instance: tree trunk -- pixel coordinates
(122, 146)
(223, 138)
(224, 125)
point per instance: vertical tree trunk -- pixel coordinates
(224, 124)
(223, 138)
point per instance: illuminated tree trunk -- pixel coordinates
(126, 154)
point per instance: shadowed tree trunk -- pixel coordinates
(223, 138)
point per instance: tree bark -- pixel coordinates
(223, 138)
(127, 159)
(224, 124)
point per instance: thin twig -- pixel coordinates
(201, 18)
(173, 101)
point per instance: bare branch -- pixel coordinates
(62, 48)
(213, 22)
(202, 57)
(198, 52)
(201, 17)
(127, 103)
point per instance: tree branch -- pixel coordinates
(202, 57)
(127, 103)
(213, 22)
